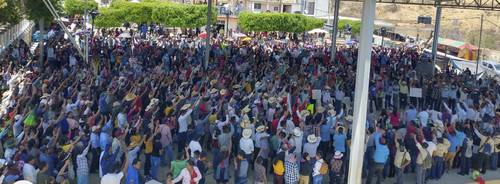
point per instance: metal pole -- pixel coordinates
(335, 30)
(435, 38)
(227, 23)
(208, 29)
(361, 93)
(480, 38)
(382, 44)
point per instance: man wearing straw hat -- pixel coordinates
(183, 122)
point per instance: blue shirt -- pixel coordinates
(339, 142)
(411, 114)
(324, 131)
(104, 137)
(381, 151)
(455, 141)
(108, 161)
(132, 176)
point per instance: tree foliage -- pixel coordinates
(10, 11)
(169, 14)
(284, 22)
(355, 25)
(73, 7)
(36, 9)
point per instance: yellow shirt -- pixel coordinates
(422, 154)
(279, 168)
(67, 147)
(497, 142)
(442, 148)
(212, 118)
(149, 146)
(398, 159)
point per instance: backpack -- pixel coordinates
(428, 161)
(336, 166)
(487, 148)
(324, 169)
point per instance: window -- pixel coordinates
(276, 8)
(257, 6)
(310, 8)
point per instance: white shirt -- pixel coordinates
(122, 119)
(183, 121)
(432, 147)
(185, 176)
(246, 145)
(317, 167)
(29, 172)
(424, 118)
(112, 178)
(270, 114)
(194, 146)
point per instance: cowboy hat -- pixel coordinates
(237, 86)
(320, 109)
(332, 112)
(213, 91)
(185, 107)
(297, 132)
(272, 100)
(261, 128)
(184, 83)
(213, 82)
(223, 92)
(328, 87)
(130, 97)
(18, 117)
(338, 155)
(246, 109)
(247, 133)
(116, 104)
(305, 113)
(245, 123)
(312, 138)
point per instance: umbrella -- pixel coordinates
(238, 35)
(246, 39)
(203, 35)
(317, 31)
(125, 35)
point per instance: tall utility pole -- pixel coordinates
(335, 30)
(435, 38)
(480, 38)
(361, 92)
(208, 29)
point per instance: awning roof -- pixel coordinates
(450, 42)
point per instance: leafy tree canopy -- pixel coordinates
(284, 22)
(169, 14)
(73, 7)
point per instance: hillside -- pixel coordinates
(457, 24)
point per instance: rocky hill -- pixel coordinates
(456, 24)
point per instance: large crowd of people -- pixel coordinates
(265, 110)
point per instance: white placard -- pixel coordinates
(416, 92)
(316, 94)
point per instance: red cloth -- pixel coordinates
(193, 176)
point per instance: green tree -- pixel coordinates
(36, 10)
(354, 24)
(73, 7)
(10, 11)
(169, 14)
(284, 22)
